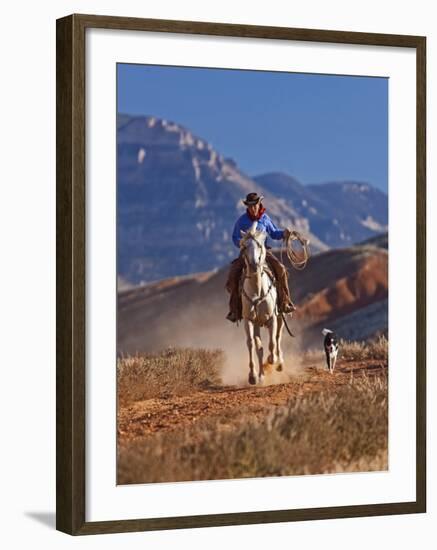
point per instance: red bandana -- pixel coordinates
(258, 216)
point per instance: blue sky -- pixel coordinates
(315, 127)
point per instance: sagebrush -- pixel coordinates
(322, 433)
(172, 372)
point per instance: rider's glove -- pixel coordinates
(287, 233)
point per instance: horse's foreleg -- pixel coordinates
(273, 326)
(279, 330)
(248, 325)
(260, 351)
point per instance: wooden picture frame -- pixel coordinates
(71, 284)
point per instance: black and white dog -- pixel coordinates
(331, 348)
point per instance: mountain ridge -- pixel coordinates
(178, 199)
(340, 213)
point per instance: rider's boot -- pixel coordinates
(288, 308)
(286, 305)
(234, 304)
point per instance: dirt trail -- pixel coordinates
(232, 404)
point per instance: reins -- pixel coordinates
(286, 326)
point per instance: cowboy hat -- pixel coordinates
(252, 198)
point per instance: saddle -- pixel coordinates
(243, 275)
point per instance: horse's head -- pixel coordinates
(252, 244)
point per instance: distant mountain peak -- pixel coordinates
(150, 130)
(347, 186)
(355, 186)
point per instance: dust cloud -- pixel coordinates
(218, 333)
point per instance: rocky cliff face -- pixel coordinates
(178, 200)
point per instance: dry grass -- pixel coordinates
(359, 351)
(173, 372)
(329, 432)
(376, 349)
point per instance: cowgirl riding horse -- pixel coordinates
(256, 212)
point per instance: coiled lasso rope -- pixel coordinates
(298, 261)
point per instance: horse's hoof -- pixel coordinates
(261, 378)
(267, 368)
(252, 379)
(279, 368)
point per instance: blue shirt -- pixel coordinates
(264, 223)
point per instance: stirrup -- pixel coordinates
(231, 317)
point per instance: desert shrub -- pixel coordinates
(172, 372)
(359, 351)
(341, 430)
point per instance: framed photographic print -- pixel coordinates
(240, 274)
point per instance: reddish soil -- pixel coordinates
(231, 404)
(364, 285)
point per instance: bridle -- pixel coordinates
(260, 246)
(257, 300)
